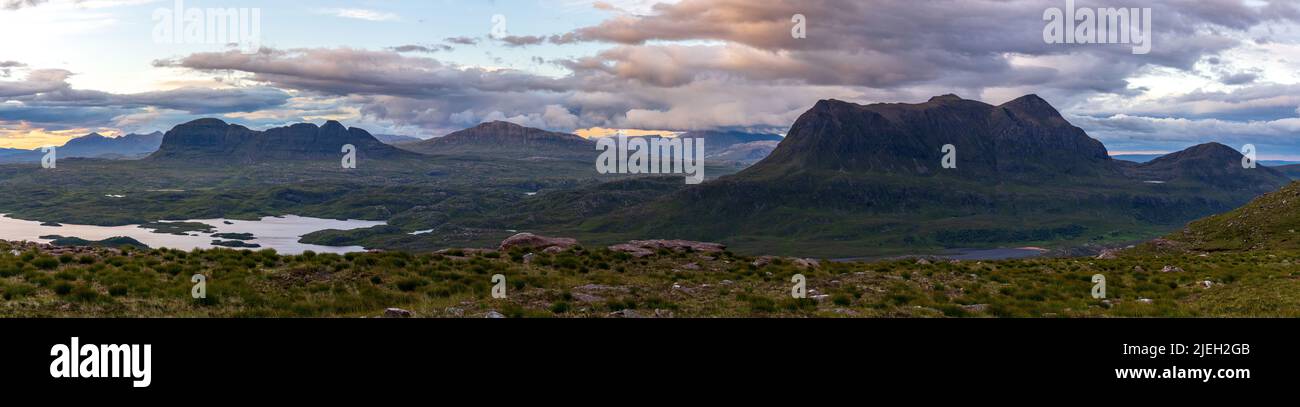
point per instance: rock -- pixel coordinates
(635, 251)
(661, 313)
(643, 248)
(553, 250)
(1107, 304)
(1145, 300)
(1107, 254)
(763, 261)
(528, 258)
(1138, 269)
(1171, 269)
(923, 262)
(820, 297)
(691, 266)
(627, 313)
(531, 241)
(398, 313)
(975, 307)
(1207, 284)
(494, 315)
(587, 298)
(447, 252)
(455, 312)
(807, 263)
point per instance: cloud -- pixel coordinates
(360, 14)
(37, 81)
(427, 49)
(17, 4)
(45, 98)
(462, 40)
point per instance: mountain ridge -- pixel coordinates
(212, 139)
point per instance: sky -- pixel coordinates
(1218, 70)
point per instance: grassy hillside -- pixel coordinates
(600, 283)
(1269, 223)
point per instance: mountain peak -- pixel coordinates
(204, 122)
(333, 125)
(946, 98)
(508, 139)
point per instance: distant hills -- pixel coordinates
(744, 153)
(93, 145)
(508, 140)
(852, 179)
(213, 140)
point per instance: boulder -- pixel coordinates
(398, 313)
(635, 251)
(806, 263)
(1107, 254)
(643, 248)
(531, 241)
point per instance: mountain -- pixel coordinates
(744, 153)
(1211, 164)
(93, 145)
(508, 140)
(1292, 170)
(721, 140)
(1022, 139)
(392, 139)
(215, 140)
(14, 155)
(860, 180)
(96, 146)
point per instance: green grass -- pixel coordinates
(596, 282)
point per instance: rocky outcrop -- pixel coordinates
(535, 242)
(644, 248)
(398, 313)
(797, 262)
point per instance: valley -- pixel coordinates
(857, 183)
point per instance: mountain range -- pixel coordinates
(93, 145)
(869, 179)
(848, 180)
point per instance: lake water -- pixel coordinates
(279, 233)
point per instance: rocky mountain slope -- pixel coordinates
(868, 179)
(212, 140)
